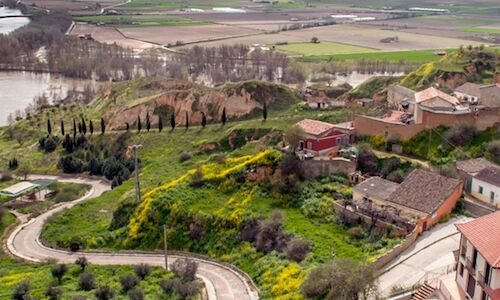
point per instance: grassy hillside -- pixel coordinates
(471, 64)
(206, 184)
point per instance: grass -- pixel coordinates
(124, 21)
(322, 48)
(412, 56)
(447, 19)
(480, 30)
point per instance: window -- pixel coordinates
(492, 196)
(487, 274)
(480, 189)
(461, 270)
(474, 258)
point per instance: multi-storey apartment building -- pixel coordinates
(478, 265)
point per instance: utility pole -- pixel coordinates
(165, 245)
(137, 184)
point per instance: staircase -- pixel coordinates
(424, 292)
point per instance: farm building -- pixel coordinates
(322, 138)
(421, 200)
(29, 190)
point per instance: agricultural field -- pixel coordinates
(417, 56)
(481, 29)
(123, 21)
(110, 35)
(185, 34)
(322, 48)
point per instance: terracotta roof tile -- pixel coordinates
(473, 166)
(490, 175)
(482, 233)
(424, 191)
(469, 88)
(314, 127)
(432, 92)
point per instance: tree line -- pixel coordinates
(70, 55)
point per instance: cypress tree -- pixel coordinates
(203, 120)
(139, 125)
(127, 126)
(160, 123)
(68, 144)
(74, 129)
(80, 128)
(62, 128)
(49, 126)
(148, 122)
(187, 120)
(172, 121)
(91, 127)
(103, 126)
(264, 111)
(84, 126)
(224, 117)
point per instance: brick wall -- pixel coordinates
(372, 126)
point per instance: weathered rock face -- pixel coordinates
(452, 80)
(179, 98)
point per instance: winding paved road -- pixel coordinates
(221, 282)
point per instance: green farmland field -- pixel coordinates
(414, 56)
(322, 48)
(139, 20)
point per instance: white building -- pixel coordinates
(478, 265)
(486, 186)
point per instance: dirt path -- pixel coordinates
(222, 282)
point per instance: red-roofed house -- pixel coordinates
(432, 99)
(321, 138)
(478, 270)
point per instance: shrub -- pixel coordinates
(460, 135)
(341, 279)
(136, 294)
(356, 232)
(54, 292)
(271, 236)
(104, 292)
(75, 243)
(82, 262)
(78, 297)
(297, 250)
(59, 271)
(249, 230)
(71, 164)
(86, 281)
(184, 290)
(185, 156)
(396, 176)
(367, 161)
(21, 291)
(128, 282)
(142, 270)
(317, 207)
(185, 269)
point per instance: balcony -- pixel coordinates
(481, 280)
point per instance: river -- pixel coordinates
(7, 25)
(17, 89)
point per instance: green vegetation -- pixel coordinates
(139, 20)
(414, 56)
(443, 145)
(474, 64)
(373, 86)
(322, 48)
(480, 30)
(449, 19)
